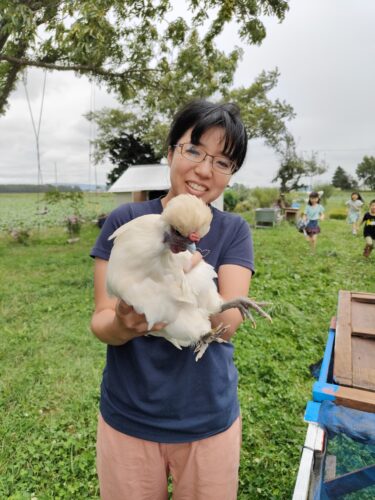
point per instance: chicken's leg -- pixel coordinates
(244, 304)
(213, 335)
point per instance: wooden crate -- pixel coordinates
(354, 356)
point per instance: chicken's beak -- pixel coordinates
(176, 242)
(194, 237)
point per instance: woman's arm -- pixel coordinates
(114, 322)
(233, 282)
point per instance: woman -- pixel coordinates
(161, 413)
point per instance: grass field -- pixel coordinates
(31, 211)
(50, 364)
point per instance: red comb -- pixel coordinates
(194, 236)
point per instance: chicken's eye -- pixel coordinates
(177, 232)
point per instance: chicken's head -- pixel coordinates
(188, 219)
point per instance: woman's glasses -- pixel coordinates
(194, 153)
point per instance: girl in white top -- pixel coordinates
(354, 211)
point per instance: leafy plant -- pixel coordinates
(20, 235)
(328, 190)
(266, 197)
(73, 199)
(230, 200)
(73, 225)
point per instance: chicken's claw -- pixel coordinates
(213, 335)
(244, 304)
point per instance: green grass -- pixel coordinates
(30, 210)
(50, 364)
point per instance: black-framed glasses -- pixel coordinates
(196, 154)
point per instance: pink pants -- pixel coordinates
(134, 469)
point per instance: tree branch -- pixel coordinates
(11, 78)
(80, 68)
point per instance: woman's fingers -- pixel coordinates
(134, 321)
(158, 326)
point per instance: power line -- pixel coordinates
(338, 149)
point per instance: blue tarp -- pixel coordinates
(358, 425)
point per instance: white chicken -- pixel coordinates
(150, 268)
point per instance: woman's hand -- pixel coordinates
(114, 322)
(194, 259)
(132, 324)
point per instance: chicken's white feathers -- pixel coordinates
(144, 272)
(198, 218)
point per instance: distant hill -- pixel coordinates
(35, 188)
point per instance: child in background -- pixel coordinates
(312, 214)
(369, 229)
(354, 211)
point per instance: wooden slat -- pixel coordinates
(349, 483)
(342, 368)
(363, 318)
(363, 297)
(363, 332)
(363, 354)
(355, 398)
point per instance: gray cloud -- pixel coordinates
(324, 52)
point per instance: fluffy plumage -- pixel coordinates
(147, 269)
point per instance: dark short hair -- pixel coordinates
(201, 115)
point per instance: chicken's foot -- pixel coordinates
(244, 304)
(213, 335)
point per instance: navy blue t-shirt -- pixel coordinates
(151, 389)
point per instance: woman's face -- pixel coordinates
(198, 179)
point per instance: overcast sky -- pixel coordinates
(325, 52)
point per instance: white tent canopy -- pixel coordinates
(142, 178)
(145, 178)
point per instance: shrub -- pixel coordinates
(328, 190)
(265, 197)
(245, 206)
(230, 200)
(20, 235)
(73, 225)
(338, 215)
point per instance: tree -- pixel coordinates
(262, 116)
(132, 47)
(293, 167)
(127, 150)
(366, 171)
(313, 166)
(342, 179)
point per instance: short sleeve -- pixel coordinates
(239, 249)
(117, 218)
